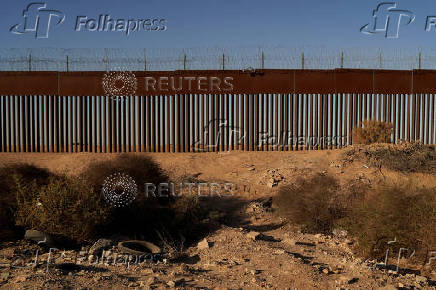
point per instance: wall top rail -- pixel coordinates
(303, 81)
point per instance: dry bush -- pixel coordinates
(405, 212)
(316, 202)
(27, 173)
(146, 215)
(141, 168)
(372, 131)
(64, 207)
(404, 157)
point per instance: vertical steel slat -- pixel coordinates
(394, 117)
(143, 101)
(246, 122)
(432, 116)
(329, 137)
(296, 120)
(26, 124)
(326, 122)
(418, 117)
(350, 118)
(228, 124)
(168, 123)
(403, 117)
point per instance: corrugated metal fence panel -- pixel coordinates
(206, 123)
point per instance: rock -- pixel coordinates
(340, 233)
(254, 235)
(171, 284)
(20, 279)
(289, 241)
(325, 271)
(421, 279)
(203, 244)
(344, 279)
(279, 252)
(400, 285)
(354, 280)
(39, 237)
(99, 246)
(4, 276)
(152, 280)
(147, 271)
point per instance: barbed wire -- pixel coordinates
(210, 58)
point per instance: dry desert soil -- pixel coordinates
(254, 248)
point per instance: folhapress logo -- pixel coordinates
(387, 20)
(38, 20)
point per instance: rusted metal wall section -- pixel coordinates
(266, 110)
(206, 122)
(243, 82)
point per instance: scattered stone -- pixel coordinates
(254, 235)
(255, 272)
(99, 246)
(340, 233)
(279, 252)
(4, 276)
(147, 271)
(20, 279)
(421, 279)
(171, 284)
(289, 241)
(400, 285)
(203, 244)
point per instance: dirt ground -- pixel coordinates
(253, 249)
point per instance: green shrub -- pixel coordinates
(64, 207)
(372, 131)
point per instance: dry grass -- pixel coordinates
(405, 157)
(8, 204)
(72, 208)
(372, 131)
(316, 202)
(404, 211)
(65, 207)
